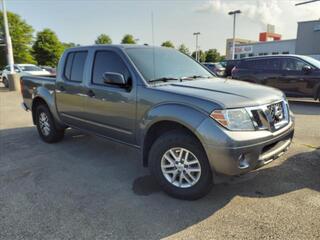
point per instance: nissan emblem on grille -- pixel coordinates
(276, 112)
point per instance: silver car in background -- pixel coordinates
(23, 70)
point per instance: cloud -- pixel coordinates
(264, 12)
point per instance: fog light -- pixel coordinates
(243, 162)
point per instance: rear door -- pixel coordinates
(70, 90)
(111, 110)
(271, 72)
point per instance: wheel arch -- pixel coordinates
(35, 103)
(159, 128)
(166, 117)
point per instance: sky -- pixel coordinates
(81, 21)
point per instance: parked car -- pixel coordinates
(22, 69)
(51, 70)
(297, 76)
(230, 64)
(188, 125)
(216, 68)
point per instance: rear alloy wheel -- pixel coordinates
(46, 125)
(180, 165)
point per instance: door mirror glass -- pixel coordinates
(114, 78)
(306, 69)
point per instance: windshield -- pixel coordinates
(157, 63)
(312, 61)
(30, 68)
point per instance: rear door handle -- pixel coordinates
(90, 93)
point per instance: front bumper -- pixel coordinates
(234, 153)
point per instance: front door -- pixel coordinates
(111, 110)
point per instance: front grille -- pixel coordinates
(273, 116)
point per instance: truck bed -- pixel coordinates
(30, 84)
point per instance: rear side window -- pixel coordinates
(107, 61)
(244, 64)
(75, 65)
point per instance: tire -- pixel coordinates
(159, 156)
(46, 125)
(5, 82)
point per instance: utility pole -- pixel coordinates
(306, 2)
(234, 13)
(197, 35)
(8, 42)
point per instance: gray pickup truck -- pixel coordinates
(189, 126)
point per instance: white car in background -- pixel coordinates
(22, 70)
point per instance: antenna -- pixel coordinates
(153, 47)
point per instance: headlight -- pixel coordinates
(234, 119)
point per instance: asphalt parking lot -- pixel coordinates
(88, 188)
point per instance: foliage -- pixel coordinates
(212, 55)
(47, 48)
(21, 36)
(202, 55)
(167, 44)
(183, 48)
(69, 45)
(103, 39)
(128, 39)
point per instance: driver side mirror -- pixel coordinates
(114, 79)
(306, 69)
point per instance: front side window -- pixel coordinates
(291, 64)
(75, 65)
(155, 63)
(108, 61)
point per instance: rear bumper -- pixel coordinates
(239, 154)
(24, 106)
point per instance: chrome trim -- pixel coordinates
(270, 156)
(265, 118)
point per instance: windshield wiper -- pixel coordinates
(164, 79)
(194, 77)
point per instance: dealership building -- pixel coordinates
(270, 43)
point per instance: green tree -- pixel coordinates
(21, 36)
(201, 54)
(212, 55)
(167, 44)
(183, 48)
(47, 48)
(128, 39)
(69, 45)
(103, 39)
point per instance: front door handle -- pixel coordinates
(90, 93)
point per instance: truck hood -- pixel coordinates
(227, 93)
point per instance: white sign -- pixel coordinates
(242, 49)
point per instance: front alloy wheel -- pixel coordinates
(181, 167)
(179, 163)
